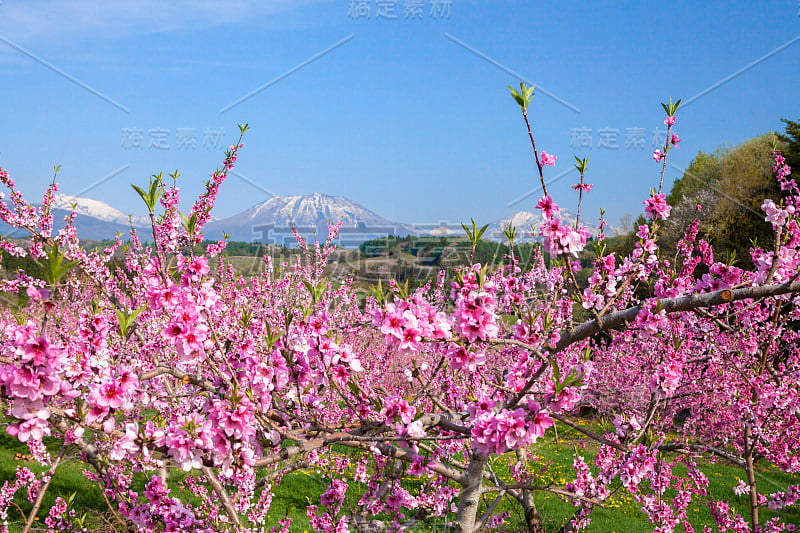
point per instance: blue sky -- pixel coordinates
(408, 116)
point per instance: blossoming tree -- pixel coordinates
(169, 361)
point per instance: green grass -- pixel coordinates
(620, 515)
(69, 479)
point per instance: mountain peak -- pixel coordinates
(310, 214)
(272, 220)
(96, 209)
(524, 220)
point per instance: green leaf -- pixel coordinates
(510, 233)
(556, 375)
(582, 164)
(524, 96)
(466, 229)
(402, 289)
(55, 268)
(190, 225)
(377, 292)
(140, 191)
(126, 320)
(309, 287)
(153, 193)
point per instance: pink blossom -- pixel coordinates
(656, 207)
(475, 316)
(741, 488)
(548, 159)
(669, 121)
(548, 206)
(462, 358)
(658, 155)
(775, 215)
(415, 430)
(109, 394)
(563, 239)
(540, 423)
(396, 406)
(334, 495)
(37, 294)
(33, 422)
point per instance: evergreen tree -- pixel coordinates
(792, 139)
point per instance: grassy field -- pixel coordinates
(620, 515)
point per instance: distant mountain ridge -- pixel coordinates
(271, 221)
(97, 209)
(94, 219)
(524, 220)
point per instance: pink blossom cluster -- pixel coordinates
(548, 159)
(496, 433)
(475, 315)
(115, 389)
(559, 238)
(406, 323)
(638, 465)
(656, 207)
(463, 358)
(782, 173)
(160, 510)
(650, 320)
(30, 379)
(188, 304)
(563, 239)
(666, 378)
(58, 517)
(318, 358)
(201, 210)
(164, 359)
(395, 408)
(726, 518)
(777, 216)
(779, 500)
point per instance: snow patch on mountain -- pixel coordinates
(272, 220)
(96, 209)
(525, 220)
(310, 209)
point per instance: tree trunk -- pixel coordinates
(533, 520)
(751, 478)
(471, 493)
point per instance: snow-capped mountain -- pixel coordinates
(95, 220)
(272, 221)
(524, 220)
(97, 209)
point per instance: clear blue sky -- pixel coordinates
(401, 118)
